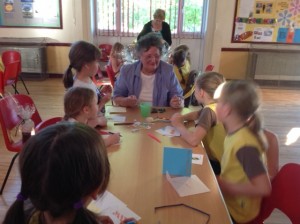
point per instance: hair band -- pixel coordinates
(78, 205)
(20, 197)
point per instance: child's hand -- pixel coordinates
(129, 220)
(105, 220)
(176, 119)
(106, 98)
(112, 139)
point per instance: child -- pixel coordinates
(243, 179)
(84, 59)
(62, 168)
(115, 57)
(80, 104)
(208, 129)
(181, 67)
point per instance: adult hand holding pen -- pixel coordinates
(131, 101)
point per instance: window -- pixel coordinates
(127, 17)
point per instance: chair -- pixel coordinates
(111, 74)
(105, 52)
(47, 123)
(209, 68)
(11, 56)
(9, 119)
(285, 195)
(9, 76)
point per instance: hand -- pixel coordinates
(106, 98)
(131, 220)
(176, 119)
(131, 101)
(176, 102)
(105, 220)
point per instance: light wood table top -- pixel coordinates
(137, 179)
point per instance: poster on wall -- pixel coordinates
(31, 14)
(267, 21)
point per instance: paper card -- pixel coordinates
(177, 161)
(197, 159)
(120, 214)
(168, 131)
(113, 207)
(116, 109)
(186, 186)
(107, 200)
(117, 118)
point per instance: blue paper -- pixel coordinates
(177, 161)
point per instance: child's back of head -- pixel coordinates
(61, 167)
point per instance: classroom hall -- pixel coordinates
(272, 63)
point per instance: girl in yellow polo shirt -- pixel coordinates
(244, 179)
(208, 129)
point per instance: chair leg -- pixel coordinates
(24, 85)
(15, 88)
(8, 172)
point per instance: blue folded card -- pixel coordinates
(177, 161)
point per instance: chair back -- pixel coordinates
(111, 75)
(285, 195)
(209, 68)
(11, 56)
(105, 51)
(47, 123)
(10, 75)
(10, 119)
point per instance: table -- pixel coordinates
(137, 179)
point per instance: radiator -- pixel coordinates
(275, 65)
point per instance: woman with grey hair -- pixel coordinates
(158, 26)
(149, 79)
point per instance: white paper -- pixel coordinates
(168, 131)
(186, 186)
(246, 7)
(113, 207)
(116, 109)
(120, 214)
(117, 118)
(197, 159)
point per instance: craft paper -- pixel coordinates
(168, 131)
(113, 207)
(116, 109)
(186, 186)
(177, 161)
(117, 118)
(197, 159)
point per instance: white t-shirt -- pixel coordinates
(91, 85)
(146, 94)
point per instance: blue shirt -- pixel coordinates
(166, 84)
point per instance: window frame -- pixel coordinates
(179, 34)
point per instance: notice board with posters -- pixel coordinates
(31, 13)
(267, 21)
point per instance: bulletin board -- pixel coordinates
(267, 21)
(31, 13)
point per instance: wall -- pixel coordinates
(72, 13)
(233, 63)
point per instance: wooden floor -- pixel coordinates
(280, 108)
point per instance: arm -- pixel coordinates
(259, 182)
(257, 186)
(115, 64)
(146, 29)
(176, 92)
(129, 101)
(272, 153)
(191, 137)
(167, 33)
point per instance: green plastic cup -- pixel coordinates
(145, 109)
